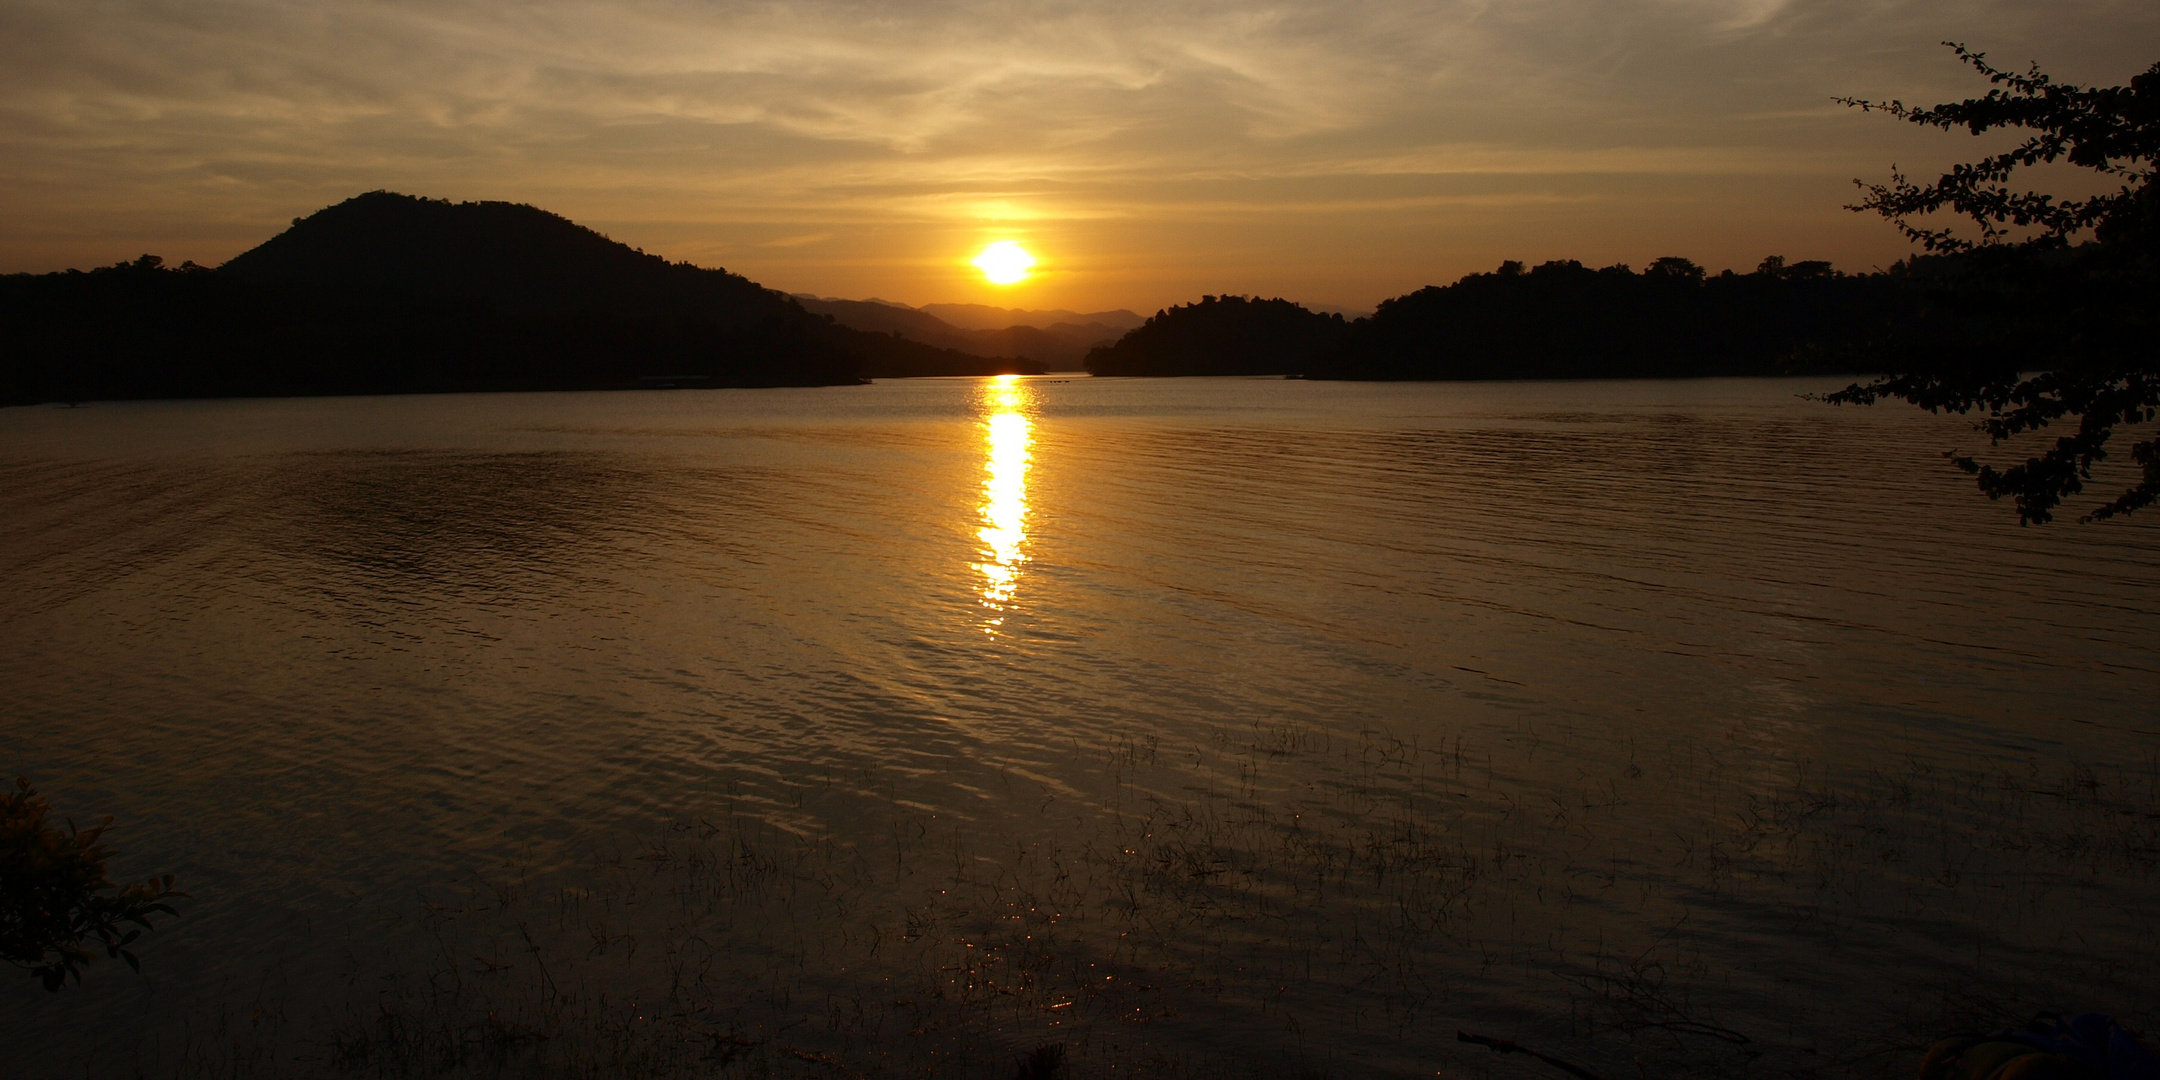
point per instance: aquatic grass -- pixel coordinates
(1282, 901)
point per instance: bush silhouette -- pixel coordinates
(56, 901)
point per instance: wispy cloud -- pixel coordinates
(217, 119)
(797, 241)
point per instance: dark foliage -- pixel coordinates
(2114, 131)
(387, 293)
(1559, 320)
(2067, 288)
(1045, 1062)
(55, 897)
(1222, 335)
(1563, 320)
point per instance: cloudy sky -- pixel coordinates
(1147, 150)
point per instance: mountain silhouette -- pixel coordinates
(1059, 345)
(516, 258)
(1223, 335)
(389, 293)
(985, 317)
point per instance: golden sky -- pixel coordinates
(1146, 151)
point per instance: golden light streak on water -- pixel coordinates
(1008, 437)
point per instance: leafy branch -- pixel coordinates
(2114, 131)
(56, 900)
(1992, 311)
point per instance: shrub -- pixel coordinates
(56, 901)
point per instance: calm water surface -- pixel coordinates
(1190, 722)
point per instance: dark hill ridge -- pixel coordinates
(388, 293)
(1223, 335)
(514, 257)
(985, 317)
(1558, 320)
(1059, 345)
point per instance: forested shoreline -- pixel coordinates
(1556, 320)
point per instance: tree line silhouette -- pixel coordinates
(1557, 320)
(388, 293)
(2049, 316)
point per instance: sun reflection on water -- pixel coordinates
(1007, 435)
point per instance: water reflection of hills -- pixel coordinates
(448, 523)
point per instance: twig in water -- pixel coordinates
(1505, 1046)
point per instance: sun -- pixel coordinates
(1004, 263)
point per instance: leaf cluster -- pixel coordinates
(2029, 333)
(2011, 404)
(2114, 131)
(57, 903)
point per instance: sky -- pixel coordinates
(1145, 151)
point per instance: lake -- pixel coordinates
(1203, 726)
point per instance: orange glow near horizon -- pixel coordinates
(1136, 158)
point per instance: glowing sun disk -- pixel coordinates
(1004, 263)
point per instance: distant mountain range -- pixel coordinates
(1058, 339)
(985, 317)
(388, 293)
